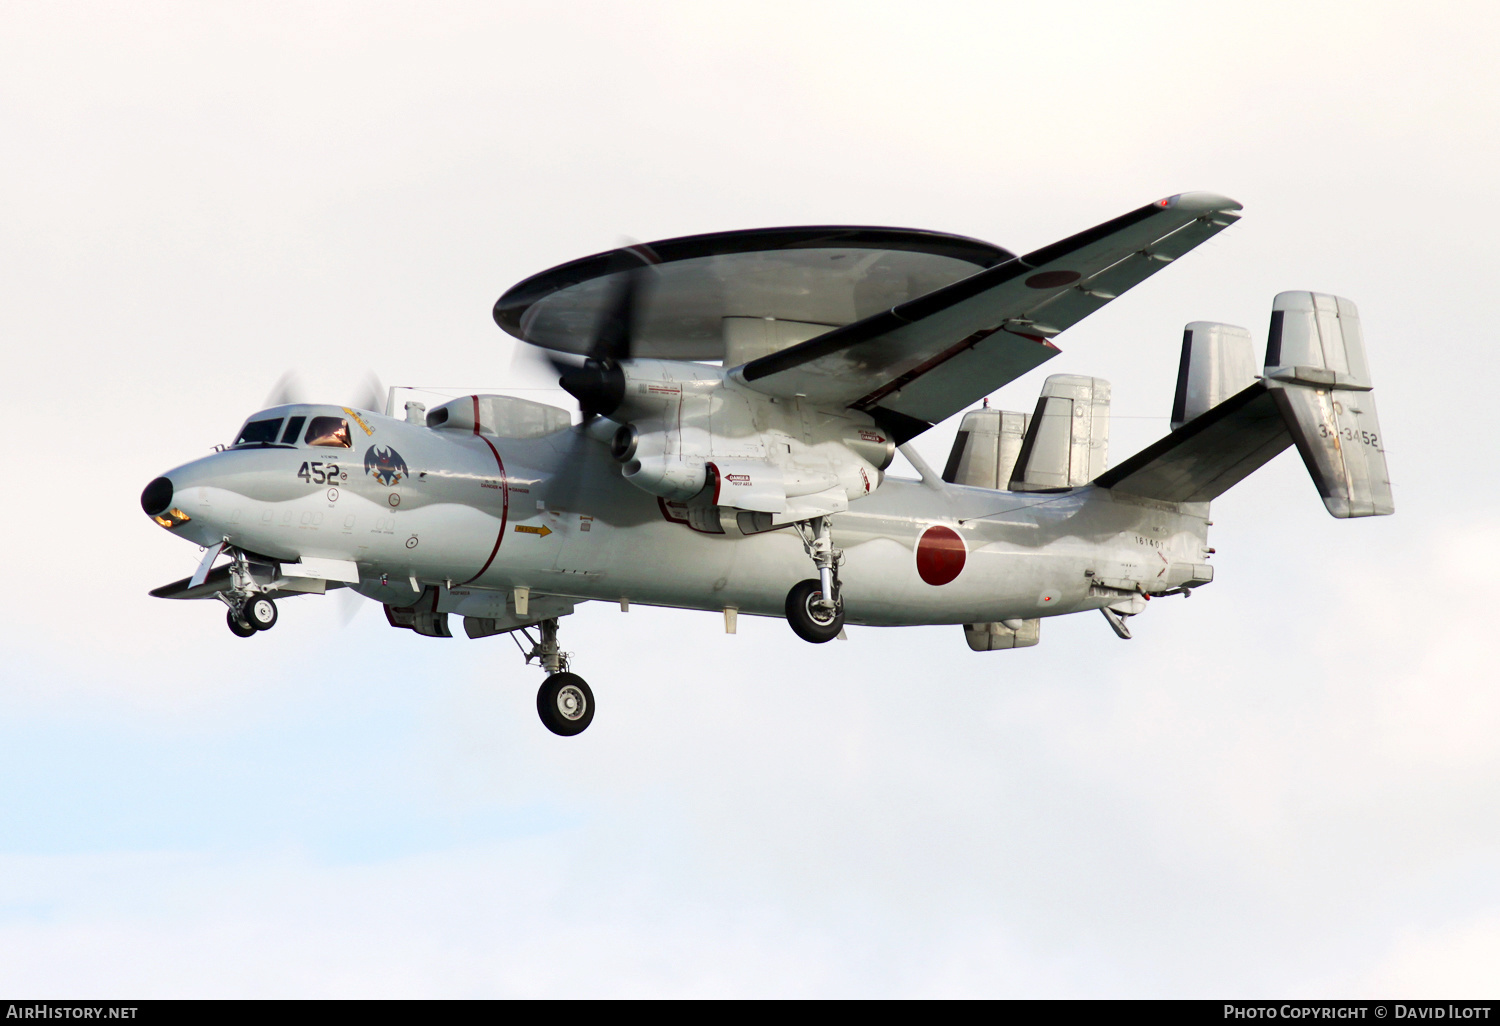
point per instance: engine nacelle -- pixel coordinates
(870, 444)
(684, 432)
(670, 478)
(646, 461)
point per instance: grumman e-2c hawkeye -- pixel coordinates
(743, 394)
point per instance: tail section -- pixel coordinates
(1067, 440)
(985, 450)
(1218, 361)
(1316, 369)
(1315, 393)
(1062, 445)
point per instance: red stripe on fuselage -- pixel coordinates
(504, 496)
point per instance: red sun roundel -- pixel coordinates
(940, 555)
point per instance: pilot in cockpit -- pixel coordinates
(332, 432)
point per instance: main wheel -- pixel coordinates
(565, 704)
(239, 629)
(260, 613)
(810, 622)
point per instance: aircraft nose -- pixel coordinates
(157, 497)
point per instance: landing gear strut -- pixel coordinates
(564, 702)
(815, 608)
(249, 611)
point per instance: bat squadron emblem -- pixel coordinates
(385, 465)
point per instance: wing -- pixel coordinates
(923, 361)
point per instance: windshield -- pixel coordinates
(259, 432)
(330, 431)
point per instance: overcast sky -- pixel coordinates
(1285, 786)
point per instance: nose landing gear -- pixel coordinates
(260, 613)
(249, 611)
(815, 608)
(564, 702)
(253, 616)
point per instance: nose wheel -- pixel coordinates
(260, 613)
(255, 615)
(249, 611)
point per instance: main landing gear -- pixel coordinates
(815, 608)
(249, 612)
(564, 702)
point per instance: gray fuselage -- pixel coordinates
(478, 516)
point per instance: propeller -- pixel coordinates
(287, 390)
(599, 385)
(371, 394)
(350, 602)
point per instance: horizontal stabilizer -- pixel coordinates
(1208, 455)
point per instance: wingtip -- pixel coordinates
(1199, 202)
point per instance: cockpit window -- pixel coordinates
(330, 431)
(293, 429)
(259, 432)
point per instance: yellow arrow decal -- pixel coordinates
(540, 532)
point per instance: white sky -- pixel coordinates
(1287, 786)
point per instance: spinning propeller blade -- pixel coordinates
(371, 394)
(599, 385)
(287, 390)
(350, 603)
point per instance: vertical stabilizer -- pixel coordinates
(1218, 361)
(985, 449)
(1316, 394)
(1316, 370)
(1067, 440)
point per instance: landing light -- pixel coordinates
(174, 517)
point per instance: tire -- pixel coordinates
(558, 704)
(238, 629)
(260, 613)
(810, 625)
